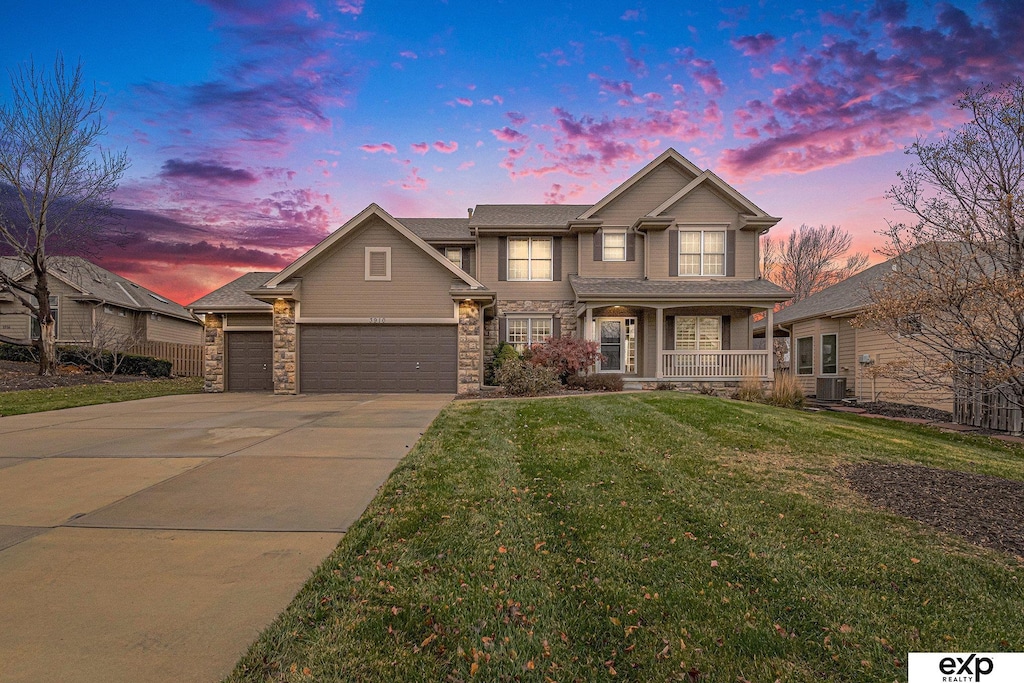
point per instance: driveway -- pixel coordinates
(153, 540)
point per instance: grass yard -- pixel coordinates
(39, 400)
(646, 537)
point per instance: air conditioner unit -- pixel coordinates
(865, 359)
(831, 388)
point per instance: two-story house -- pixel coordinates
(662, 272)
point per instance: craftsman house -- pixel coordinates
(662, 272)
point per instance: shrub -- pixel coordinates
(18, 353)
(124, 364)
(566, 355)
(145, 365)
(596, 382)
(786, 392)
(664, 386)
(706, 389)
(502, 352)
(520, 378)
(751, 390)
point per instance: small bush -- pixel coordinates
(129, 364)
(596, 382)
(18, 353)
(145, 365)
(520, 378)
(567, 355)
(664, 386)
(502, 352)
(706, 389)
(750, 390)
(786, 392)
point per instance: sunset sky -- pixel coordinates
(255, 128)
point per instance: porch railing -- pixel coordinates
(714, 365)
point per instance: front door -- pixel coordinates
(618, 344)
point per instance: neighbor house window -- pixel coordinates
(454, 254)
(378, 263)
(908, 325)
(702, 252)
(805, 356)
(529, 258)
(36, 330)
(829, 354)
(614, 247)
(522, 332)
(698, 333)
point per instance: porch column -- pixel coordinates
(769, 341)
(588, 324)
(659, 330)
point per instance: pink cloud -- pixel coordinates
(756, 45)
(385, 147)
(414, 182)
(631, 15)
(408, 54)
(353, 7)
(466, 165)
(464, 101)
(420, 147)
(507, 134)
(448, 148)
(516, 117)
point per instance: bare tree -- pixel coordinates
(810, 259)
(55, 179)
(957, 284)
(109, 341)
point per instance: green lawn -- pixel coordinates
(39, 400)
(643, 537)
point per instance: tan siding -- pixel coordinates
(807, 328)
(884, 349)
(746, 254)
(644, 196)
(335, 286)
(848, 354)
(250, 320)
(16, 325)
(703, 205)
(657, 255)
(74, 320)
(591, 268)
(533, 291)
(167, 329)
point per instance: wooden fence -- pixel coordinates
(186, 359)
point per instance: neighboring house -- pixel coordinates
(88, 301)
(662, 272)
(832, 359)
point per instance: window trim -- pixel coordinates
(604, 244)
(821, 348)
(702, 254)
(454, 249)
(804, 370)
(530, 259)
(696, 331)
(387, 264)
(529, 318)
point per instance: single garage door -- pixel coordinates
(250, 361)
(377, 358)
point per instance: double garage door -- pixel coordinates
(378, 358)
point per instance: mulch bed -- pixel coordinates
(986, 510)
(905, 410)
(16, 376)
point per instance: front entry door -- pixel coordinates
(618, 344)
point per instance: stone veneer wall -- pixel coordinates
(213, 353)
(562, 309)
(469, 347)
(284, 347)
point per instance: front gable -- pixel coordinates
(645, 190)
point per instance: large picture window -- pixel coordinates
(529, 258)
(698, 333)
(829, 354)
(805, 356)
(523, 332)
(701, 252)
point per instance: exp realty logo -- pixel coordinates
(965, 667)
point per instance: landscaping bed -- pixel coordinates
(890, 409)
(15, 376)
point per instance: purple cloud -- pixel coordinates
(752, 46)
(385, 147)
(206, 171)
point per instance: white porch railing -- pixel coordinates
(714, 365)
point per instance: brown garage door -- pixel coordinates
(377, 358)
(250, 361)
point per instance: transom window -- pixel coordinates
(829, 354)
(454, 254)
(524, 332)
(698, 333)
(702, 252)
(614, 247)
(805, 356)
(529, 258)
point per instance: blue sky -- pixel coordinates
(256, 128)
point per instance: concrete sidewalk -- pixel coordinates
(153, 540)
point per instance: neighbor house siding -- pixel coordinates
(167, 329)
(15, 325)
(807, 328)
(335, 286)
(884, 349)
(527, 291)
(645, 196)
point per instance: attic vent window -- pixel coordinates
(378, 263)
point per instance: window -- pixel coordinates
(378, 263)
(805, 356)
(829, 354)
(701, 252)
(698, 333)
(614, 247)
(454, 254)
(529, 258)
(36, 330)
(522, 332)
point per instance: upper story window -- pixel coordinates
(614, 247)
(378, 263)
(454, 254)
(702, 252)
(529, 258)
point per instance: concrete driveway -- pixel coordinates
(153, 540)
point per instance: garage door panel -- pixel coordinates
(250, 361)
(378, 358)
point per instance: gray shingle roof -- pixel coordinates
(102, 285)
(232, 295)
(844, 297)
(589, 288)
(439, 229)
(526, 215)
